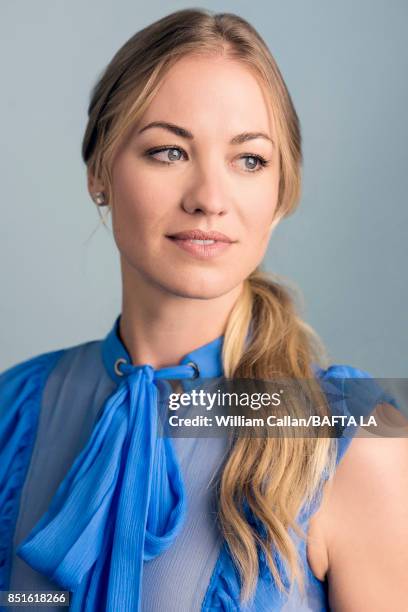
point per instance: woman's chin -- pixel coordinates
(200, 286)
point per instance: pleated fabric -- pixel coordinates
(122, 502)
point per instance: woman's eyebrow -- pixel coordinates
(183, 133)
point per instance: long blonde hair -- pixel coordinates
(275, 476)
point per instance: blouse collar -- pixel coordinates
(206, 358)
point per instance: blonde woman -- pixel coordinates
(193, 145)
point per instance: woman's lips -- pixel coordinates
(199, 234)
(202, 244)
(201, 249)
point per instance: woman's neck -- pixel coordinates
(160, 328)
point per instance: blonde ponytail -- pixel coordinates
(274, 475)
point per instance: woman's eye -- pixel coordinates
(253, 163)
(168, 155)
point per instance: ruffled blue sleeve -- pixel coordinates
(21, 389)
(352, 392)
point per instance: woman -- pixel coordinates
(194, 146)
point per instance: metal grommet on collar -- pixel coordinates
(116, 366)
(196, 369)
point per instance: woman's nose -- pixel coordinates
(207, 194)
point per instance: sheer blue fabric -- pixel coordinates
(122, 499)
(122, 502)
(20, 397)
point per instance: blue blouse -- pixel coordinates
(66, 433)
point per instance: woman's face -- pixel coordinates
(212, 171)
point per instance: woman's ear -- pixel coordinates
(96, 190)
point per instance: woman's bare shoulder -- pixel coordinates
(358, 538)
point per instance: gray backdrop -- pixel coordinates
(346, 66)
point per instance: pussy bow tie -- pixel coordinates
(122, 502)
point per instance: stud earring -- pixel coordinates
(99, 198)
